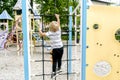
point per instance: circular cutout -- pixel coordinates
(102, 68)
(117, 35)
(95, 26)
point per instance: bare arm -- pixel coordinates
(58, 19)
(42, 33)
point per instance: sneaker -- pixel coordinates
(53, 75)
(58, 70)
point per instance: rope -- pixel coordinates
(50, 74)
(59, 74)
(51, 60)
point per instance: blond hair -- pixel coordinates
(54, 26)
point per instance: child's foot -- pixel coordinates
(53, 75)
(59, 70)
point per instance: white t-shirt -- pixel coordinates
(55, 39)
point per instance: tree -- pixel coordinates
(7, 5)
(48, 8)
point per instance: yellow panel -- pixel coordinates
(102, 45)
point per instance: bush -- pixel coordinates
(65, 33)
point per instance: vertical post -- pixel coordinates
(26, 46)
(75, 27)
(83, 38)
(70, 41)
(43, 56)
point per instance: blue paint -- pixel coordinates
(70, 42)
(25, 39)
(84, 27)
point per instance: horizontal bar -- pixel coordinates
(51, 60)
(37, 32)
(35, 75)
(50, 46)
(48, 15)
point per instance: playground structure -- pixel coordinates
(4, 27)
(99, 59)
(8, 35)
(34, 20)
(16, 30)
(17, 11)
(103, 46)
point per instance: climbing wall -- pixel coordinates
(103, 50)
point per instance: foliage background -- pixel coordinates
(7, 5)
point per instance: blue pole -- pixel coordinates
(25, 29)
(83, 24)
(70, 41)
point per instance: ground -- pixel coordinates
(12, 65)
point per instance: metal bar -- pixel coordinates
(25, 27)
(61, 31)
(75, 9)
(48, 15)
(50, 46)
(84, 26)
(70, 41)
(67, 39)
(75, 25)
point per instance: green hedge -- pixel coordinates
(66, 36)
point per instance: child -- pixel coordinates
(54, 34)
